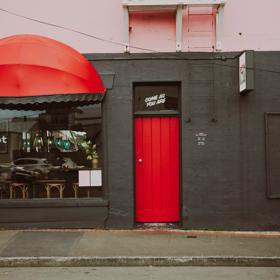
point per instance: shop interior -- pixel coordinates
(43, 151)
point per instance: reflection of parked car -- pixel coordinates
(38, 165)
(17, 173)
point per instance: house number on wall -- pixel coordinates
(201, 138)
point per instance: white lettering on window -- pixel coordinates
(155, 100)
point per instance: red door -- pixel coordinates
(157, 169)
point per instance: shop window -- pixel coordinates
(156, 98)
(49, 153)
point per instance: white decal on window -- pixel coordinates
(155, 100)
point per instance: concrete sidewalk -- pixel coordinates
(138, 247)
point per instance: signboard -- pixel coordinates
(90, 178)
(242, 72)
(246, 71)
(96, 178)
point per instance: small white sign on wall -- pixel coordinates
(201, 138)
(246, 72)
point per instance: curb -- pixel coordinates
(139, 261)
(152, 231)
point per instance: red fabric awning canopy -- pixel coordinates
(32, 65)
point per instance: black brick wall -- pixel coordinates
(223, 182)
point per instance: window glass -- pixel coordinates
(156, 97)
(42, 153)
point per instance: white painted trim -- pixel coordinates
(219, 26)
(179, 23)
(143, 3)
(126, 29)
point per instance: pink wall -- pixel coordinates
(102, 18)
(248, 24)
(258, 22)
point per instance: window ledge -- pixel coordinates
(54, 203)
(170, 3)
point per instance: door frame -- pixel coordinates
(159, 115)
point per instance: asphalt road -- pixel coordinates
(139, 273)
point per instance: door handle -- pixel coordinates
(140, 160)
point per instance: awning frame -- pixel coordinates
(47, 101)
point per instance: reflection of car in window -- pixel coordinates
(38, 165)
(12, 172)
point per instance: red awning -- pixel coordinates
(32, 65)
